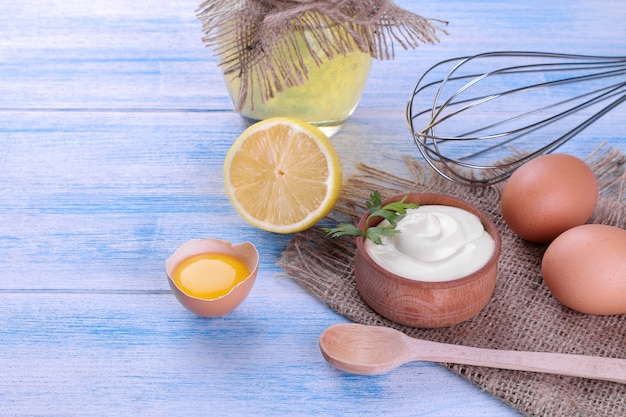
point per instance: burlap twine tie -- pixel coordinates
(522, 314)
(256, 39)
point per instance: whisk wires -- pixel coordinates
(485, 102)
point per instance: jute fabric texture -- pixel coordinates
(522, 314)
(257, 40)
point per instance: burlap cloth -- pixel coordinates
(256, 39)
(522, 315)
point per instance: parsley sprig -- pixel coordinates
(392, 212)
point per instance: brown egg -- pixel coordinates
(585, 269)
(548, 195)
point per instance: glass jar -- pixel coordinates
(326, 100)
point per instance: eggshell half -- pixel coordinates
(215, 307)
(585, 269)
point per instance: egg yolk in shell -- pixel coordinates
(209, 275)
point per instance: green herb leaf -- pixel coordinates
(388, 215)
(344, 229)
(375, 202)
(392, 212)
(374, 233)
(400, 206)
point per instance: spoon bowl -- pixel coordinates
(364, 350)
(373, 350)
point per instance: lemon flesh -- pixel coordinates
(282, 175)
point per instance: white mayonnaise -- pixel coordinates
(435, 243)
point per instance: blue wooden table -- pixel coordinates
(114, 123)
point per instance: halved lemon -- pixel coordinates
(282, 175)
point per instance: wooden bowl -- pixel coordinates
(420, 303)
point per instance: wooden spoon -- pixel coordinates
(372, 350)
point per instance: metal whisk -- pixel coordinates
(531, 102)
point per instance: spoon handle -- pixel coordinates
(608, 369)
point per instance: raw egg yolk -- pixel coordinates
(209, 275)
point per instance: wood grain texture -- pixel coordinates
(114, 122)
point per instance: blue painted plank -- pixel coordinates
(114, 123)
(142, 354)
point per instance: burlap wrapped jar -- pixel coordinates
(308, 59)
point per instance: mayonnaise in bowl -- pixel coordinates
(435, 243)
(438, 245)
